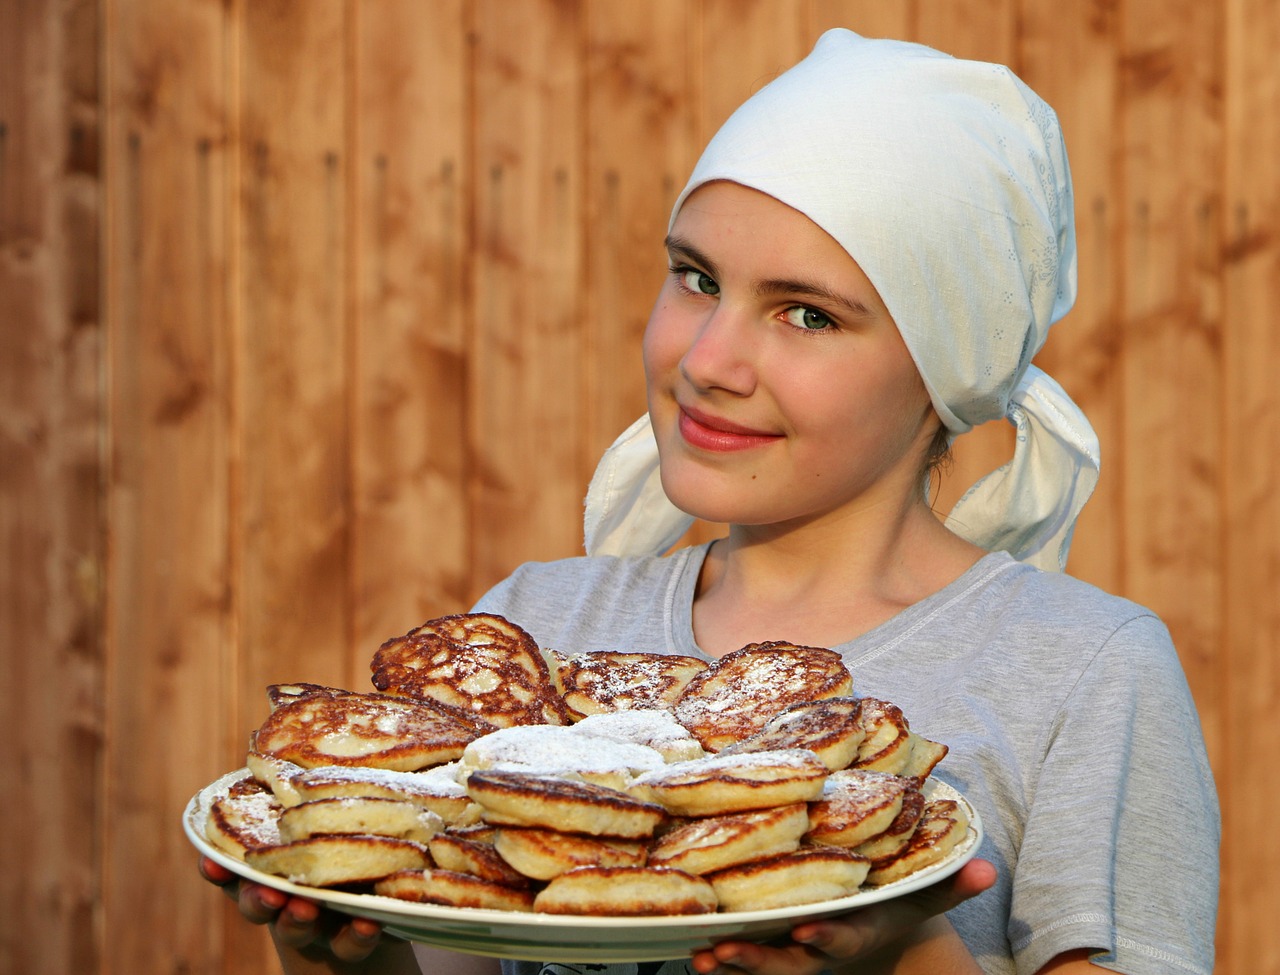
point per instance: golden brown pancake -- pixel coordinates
(519, 799)
(703, 845)
(330, 861)
(375, 730)
(806, 876)
(626, 892)
(479, 663)
(831, 729)
(856, 805)
(886, 845)
(546, 853)
(602, 681)
(735, 783)
(366, 816)
(450, 889)
(246, 818)
(942, 827)
(737, 695)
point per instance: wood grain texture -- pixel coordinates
(52, 647)
(1171, 366)
(637, 94)
(1072, 62)
(525, 402)
(410, 376)
(294, 346)
(170, 633)
(1248, 648)
(314, 318)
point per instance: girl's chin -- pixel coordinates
(712, 503)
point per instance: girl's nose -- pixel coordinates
(722, 353)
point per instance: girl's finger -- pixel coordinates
(298, 923)
(260, 904)
(356, 940)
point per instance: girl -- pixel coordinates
(863, 264)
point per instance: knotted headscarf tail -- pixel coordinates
(947, 181)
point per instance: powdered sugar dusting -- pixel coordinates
(640, 726)
(557, 749)
(436, 782)
(725, 765)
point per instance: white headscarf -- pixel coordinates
(947, 181)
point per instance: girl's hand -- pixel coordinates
(296, 922)
(818, 945)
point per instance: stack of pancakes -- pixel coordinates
(486, 772)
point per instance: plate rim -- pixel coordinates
(480, 922)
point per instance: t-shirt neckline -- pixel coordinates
(679, 609)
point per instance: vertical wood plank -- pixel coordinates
(1172, 358)
(293, 369)
(411, 515)
(1070, 58)
(169, 625)
(869, 18)
(1249, 482)
(525, 399)
(983, 30)
(51, 517)
(637, 120)
(742, 45)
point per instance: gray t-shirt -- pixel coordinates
(1070, 728)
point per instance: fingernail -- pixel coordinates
(304, 911)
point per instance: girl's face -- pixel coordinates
(779, 388)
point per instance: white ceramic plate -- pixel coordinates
(563, 938)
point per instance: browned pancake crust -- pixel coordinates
(702, 846)
(722, 784)
(887, 743)
(546, 853)
(479, 662)
(893, 840)
(605, 680)
(805, 876)
(831, 728)
(520, 799)
(476, 857)
(374, 730)
(330, 861)
(626, 892)
(942, 827)
(736, 696)
(280, 694)
(855, 806)
(450, 889)
(246, 818)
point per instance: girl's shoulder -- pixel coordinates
(598, 602)
(621, 575)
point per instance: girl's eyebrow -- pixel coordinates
(679, 247)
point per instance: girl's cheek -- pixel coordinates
(664, 343)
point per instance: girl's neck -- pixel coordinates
(825, 582)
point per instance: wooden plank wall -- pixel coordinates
(315, 316)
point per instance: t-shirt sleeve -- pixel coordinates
(1120, 849)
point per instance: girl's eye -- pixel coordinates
(810, 319)
(697, 282)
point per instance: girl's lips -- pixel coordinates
(709, 433)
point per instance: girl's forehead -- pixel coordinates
(724, 223)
